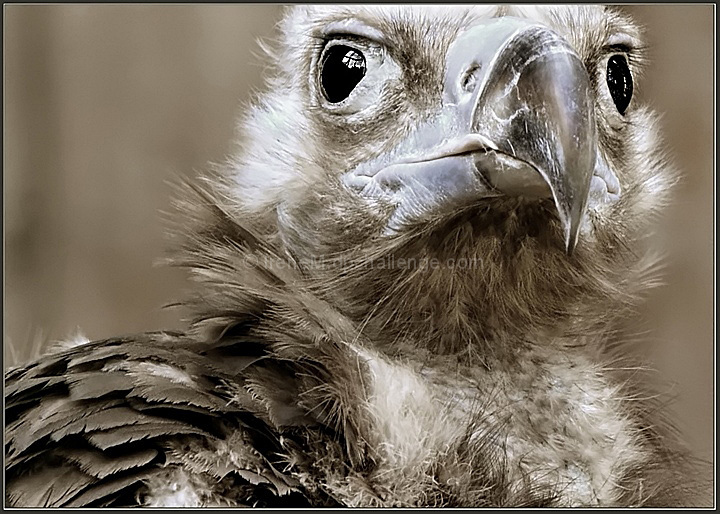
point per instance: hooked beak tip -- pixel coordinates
(571, 226)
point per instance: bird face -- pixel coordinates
(508, 137)
(515, 119)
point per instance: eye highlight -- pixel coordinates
(342, 69)
(619, 82)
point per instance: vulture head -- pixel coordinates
(461, 176)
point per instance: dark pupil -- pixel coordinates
(619, 82)
(342, 69)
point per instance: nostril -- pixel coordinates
(469, 78)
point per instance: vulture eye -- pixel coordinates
(619, 81)
(342, 69)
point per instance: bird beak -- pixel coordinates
(517, 119)
(526, 94)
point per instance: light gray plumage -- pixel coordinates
(339, 353)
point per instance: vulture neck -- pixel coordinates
(458, 290)
(476, 298)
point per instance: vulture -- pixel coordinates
(409, 287)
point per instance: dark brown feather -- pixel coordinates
(118, 412)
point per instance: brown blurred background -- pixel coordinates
(104, 103)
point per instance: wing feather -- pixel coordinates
(117, 422)
(47, 487)
(101, 465)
